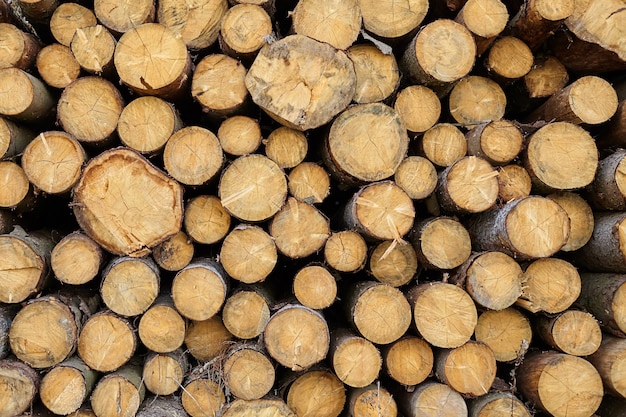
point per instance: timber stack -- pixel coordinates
(310, 208)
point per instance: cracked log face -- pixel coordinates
(126, 204)
(300, 82)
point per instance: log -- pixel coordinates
(309, 182)
(19, 384)
(371, 401)
(246, 312)
(316, 393)
(207, 339)
(206, 221)
(507, 332)
(345, 251)
(605, 192)
(536, 20)
(16, 190)
(419, 107)
(244, 30)
(440, 242)
(509, 59)
(240, 135)
(202, 396)
(604, 251)
(76, 259)
(119, 16)
(24, 98)
(174, 253)
(155, 405)
(248, 372)
(13, 138)
(120, 392)
(7, 313)
(560, 384)
(377, 74)
(557, 331)
(469, 369)
(199, 289)
(391, 21)
(485, 19)
(416, 176)
(264, 407)
(601, 295)
(431, 399)
(67, 18)
(163, 372)
(337, 23)
(497, 404)
(248, 254)
(581, 219)
(476, 99)
(443, 144)
(409, 360)
(286, 146)
(19, 48)
(393, 263)
(514, 182)
(66, 386)
(608, 360)
(161, 328)
(197, 25)
(314, 286)
(57, 66)
(355, 360)
(93, 47)
(498, 142)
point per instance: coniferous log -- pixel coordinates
(26, 98)
(93, 47)
(198, 26)
(314, 286)
(573, 332)
(67, 385)
(605, 192)
(120, 392)
(371, 401)
(248, 254)
(38, 10)
(409, 360)
(161, 328)
(316, 393)
(440, 242)
(206, 221)
(514, 182)
(69, 17)
(163, 372)
(443, 144)
(120, 16)
(391, 21)
(509, 59)
(485, 19)
(247, 311)
(76, 259)
(244, 30)
(19, 384)
(57, 66)
(377, 74)
(13, 138)
(174, 253)
(393, 263)
(431, 399)
(416, 176)
(16, 191)
(536, 20)
(496, 404)
(418, 107)
(207, 339)
(309, 182)
(605, 252)
(264, 407)
(201, 395)
(609, 362)
(286, 146)
(602, 295)
(355, 360)
(345, 251)
(550, 285)
(507, 332)
(240, 135)
(476, 99)
(497, 142)
(19, 48)
(199, 289)
(248, 372)
(580, 216)
(469, 369)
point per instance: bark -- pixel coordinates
(67, 385)
(20, 48)
(602, 295)
(536, 20)
(498, 142)
(120, 392)
(557, 331)
(26, 98)
(19, 384)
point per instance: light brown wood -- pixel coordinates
(293, 91)
(13, 138)
(580, 216)
(485, 19)
(336, 22)
(244, 30)
(76, 259)
(371, 401)
(57, 66)
(19, 49)
(443, 144)
(193, 155)
(547, 76)
(246, 312)
(507, 332)
(197, 24)
(113, 186)
(440, 242)
(416, 176)
(345, 251)
(537, 19)
(530, 227)
(560, 384)
(309, 182)
(207, 339)
(393, 263)
(218, 85)
(151, 60)
(299, 229)
(53, 162)
(174, 253)
(573, 332)
(67, 18)
(248, 372)
(377, 74)
(509, 59)
(163, 372)
(286, 146)
(609, 362)
(514, 182)
(120, 16)
(355, 360)
(431, 399)
(19, 384)
(239, 135)
(252, 188)
(202, 397)
(550, 285)
(119, 393)
(24, 98)
(316, 393)
(469, 369)
(66, 386)
(161, 328)
(603, 294)
(206, 221)
(422, 60)
(497, 404)
(409, 360)
(106, 342)
(248, 254)
(315, 287)
(297, 337)
(199, 289)
(418, 107)
(93, 48)
(390, 20)
(270, 407)
(497, 142)
(16, 188)
(476, 99)
(130, 285)
(444, 314)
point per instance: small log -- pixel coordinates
(202, 397)
(161, 328)
(605, 250)
(76, 259)
(218, 85)
(244, 30)
(248, 372)
(197, 26)
(608, 189)
(89, 110)
(67, 18)
(422, 61)
(19, 384)
(57, 66)
(560, 384)
(316, 393)
(107, 341)
(365, 143)
(536, 20)
(163, 372)
(199, 289)
(602, 295)
(355, 360)
(296, 98)
(485, 19)
(393, 263)
(507, 332)
(16, 190)
(206, 221)
(443, 144)
(440, 242)
(609, 362)
(509, 59)
(248, 254)
(419, 108)
(252, 188)
(119, 16)
(299, 229)
(67, 385)
(24, 98)
(580, 216)
(444, 314)
(391, 21)
(514, 182)
(315, 287)
(337, 23)
(377, 74)
(309, 182)
(53, 162)
(431, 399)
(573, 332)
(113, 186)
(13, 138)
(264, 407)
(19, 48)
(286, 146)
(246, 312)
(530, 227)
(495, 404)
(380, 211)
(207, 339)
(151, 60)
(240, 135)
(345, 251)
(475, 100)
(550, 285)
(469, 369)
(193, 156)
(409, 360)
(497, 142)
(93, 47)
(416, 176)
(174, 253)
(120, 392)
(297, 337)
(371, 401)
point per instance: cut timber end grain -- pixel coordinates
(67, 18)
(76, 259)
(119, 393)
(248, 254)
(507, 332)
(371, 401)
(297, 337)
(550, 285)
(309, 182)
(106, 341)
(287, 147)
(445, 315)
(443, 144)
(65, 387)
(14, 184)
(408, 360)
(163, 372)
(126, 204)
(252, 188)
(366, 143)
(239, 135)
(17, 48)
(93, 48)
(248, 373)
(269, 407)
(152, 60)
(514, 182)
(441, 242)
(19, 384)
(606, 249)
(335, 22)
(198, 23)
(391, 20)
(199, 289)
(345, 251)
(24, 97)
(244, 29)
(193, 155)
(207, 339)
(377, 74)
(394, 263)
(355, 360)
(246, 313)
(120, 16)
(560, 384)
(300, 82)
(580, 216)
(317, 393)
(53, 162)
(538, 19)
(417, 176)
(476, 99)
(498, 142)
(380, 211)
(604, 296)
(202, 397)
(431, 399)
(315, 287)
(418, 107)
(442, 52)
(496, 404)
(509, 59)
(205, 220)
(547, 76)
(469, 369)
(162, 329)
(573, 332)
(174, 253)
(485, 19)
(146, 124)
(89, 109)
(299, 229)
(57, 66)
(609, 361)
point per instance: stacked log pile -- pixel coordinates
(312, 208)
